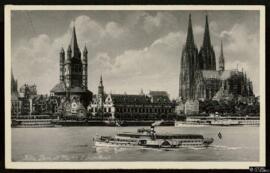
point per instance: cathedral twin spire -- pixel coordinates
(192, 61)
(206, 37)
(206, 58)
(190, 37)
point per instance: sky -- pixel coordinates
(133, 50)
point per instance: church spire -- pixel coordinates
(188, 65)
(190, 38)
(207, 56)
(206, 37)
(100, 92)
(221, 58)
(74, 44)
(100, 81)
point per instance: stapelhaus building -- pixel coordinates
(155, 105)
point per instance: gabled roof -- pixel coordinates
(159, 96)
(130, 99)
(77, 90)
(158, 93)
(160, 99)
(59, 88)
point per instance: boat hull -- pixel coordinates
(155, 144)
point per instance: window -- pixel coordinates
(109, 109)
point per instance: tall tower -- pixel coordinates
(84, 68)
(207, 59)
(221, 59)
(73, 64)
(100, 92)
(68, 68)
(189, 65)
(73, 73)
(62, 61)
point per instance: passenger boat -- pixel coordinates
(148, 138)
(225, 122)
(190, 124)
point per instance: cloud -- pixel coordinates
(34, 62)
(114, 30)
(159, 22)
(198, 30)
(153, 67)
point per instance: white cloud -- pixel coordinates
(153, 67)
(114, 30)
(159, 22)
(198, 30)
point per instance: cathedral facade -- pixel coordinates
(73, 73)
(201, 78)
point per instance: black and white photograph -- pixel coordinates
(134, 87)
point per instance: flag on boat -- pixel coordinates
(219, 135)
(157, 123)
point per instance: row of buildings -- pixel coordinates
(26, 101)
(199, 80)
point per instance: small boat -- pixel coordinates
(148, 138)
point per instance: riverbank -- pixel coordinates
(40, 123)
(190, 121)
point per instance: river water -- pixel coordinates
(239, 143)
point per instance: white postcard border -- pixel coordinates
(130, 165)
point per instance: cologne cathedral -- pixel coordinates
(202, 79)
(73, 73)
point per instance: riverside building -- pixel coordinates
(155, 105)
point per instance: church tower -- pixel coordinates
(62, 61)
(189, 65)
(68, 69)
(221, 59)
(73, 64)
(73, 73)
(84, 69)
(100, 92)
(207, 59)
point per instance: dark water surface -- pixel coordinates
(75, 144)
